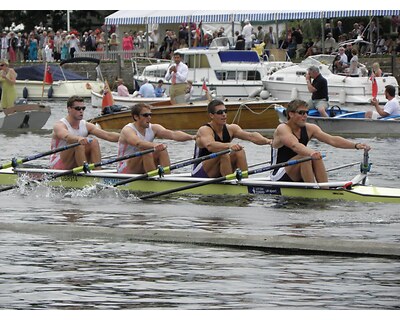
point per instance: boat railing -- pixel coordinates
(113, 55)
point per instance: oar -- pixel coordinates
(15, 162)
(87, 167)
(160, 171)
(235, 175)
(343, 166)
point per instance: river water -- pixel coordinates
(53, 270)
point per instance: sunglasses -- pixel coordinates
(79, 108)
(221, 111)
(2, 65)
(302, 112)
(146, 115)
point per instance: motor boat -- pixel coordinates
(224, 71)
(32, 85)
(344, 90)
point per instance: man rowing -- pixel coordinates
(217, 135)
(73, 129)
(290, 142)
(139, 135)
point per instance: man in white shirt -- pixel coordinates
(247, 33)
(391, 107)
(177, 73)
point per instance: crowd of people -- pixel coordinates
(50, 45)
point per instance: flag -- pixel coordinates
(108, 99)
(204, 86)
(374, 86)
(48, 77)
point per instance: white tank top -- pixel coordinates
(125, 148)
(58, 143)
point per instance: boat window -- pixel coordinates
(197, 61)
(253, 75)
(231, 75)
(221, 75)
(241, 75)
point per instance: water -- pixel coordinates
(54, 270)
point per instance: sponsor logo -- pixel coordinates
(264, 190)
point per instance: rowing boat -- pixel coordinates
(350, 190)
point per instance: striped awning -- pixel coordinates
(131, 17)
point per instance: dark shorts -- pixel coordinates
(199, 172)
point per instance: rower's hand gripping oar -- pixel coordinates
(87, 167)
(238, 174)
(161, 170)
(15, 162)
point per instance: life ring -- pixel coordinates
(50, 92)
(25, 93)
(88, 86)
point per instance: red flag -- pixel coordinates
(108, 99)
(374, 86)
(204, 87)
(48, 77)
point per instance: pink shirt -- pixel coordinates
(123, 91)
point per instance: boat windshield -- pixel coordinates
(317, 60)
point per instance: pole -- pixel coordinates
(68, 22)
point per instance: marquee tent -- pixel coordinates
(132, 17)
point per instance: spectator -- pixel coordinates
(146, 90)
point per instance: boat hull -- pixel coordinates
(254, 186)
(35, 90)
(250, 115)
(97, 100)
(24, 116)
(346, 125)
(359, 127)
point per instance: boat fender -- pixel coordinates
(25, 92)
(294, 94)
(342, 96)
(255, 93)
(50, 92)
(264, 94)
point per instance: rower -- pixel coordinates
(217, 135)
(290, 142)
(73, 129)
(139, 135)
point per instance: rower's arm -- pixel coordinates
(102, 134)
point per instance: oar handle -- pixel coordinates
(162, 170)
(15, 162)
(88, 167)
(227, 177)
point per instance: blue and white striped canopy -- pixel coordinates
(128, 17)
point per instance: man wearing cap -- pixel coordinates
(391, 108)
